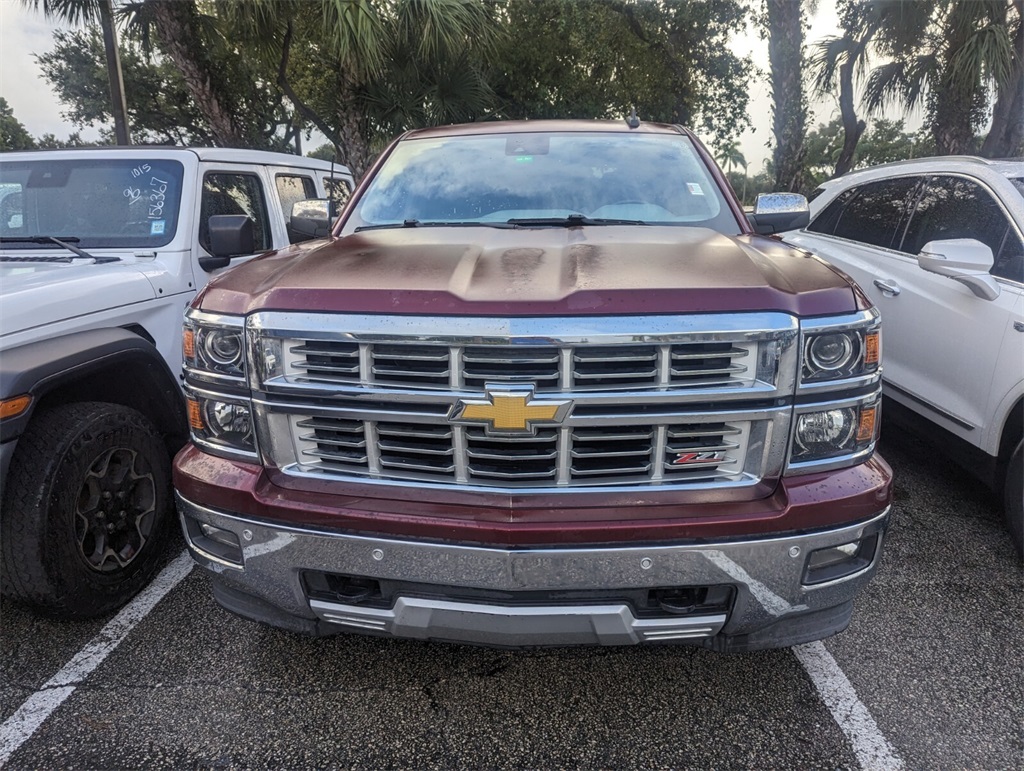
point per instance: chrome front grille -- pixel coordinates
(668, 453)
(547, 368)
(695, 401)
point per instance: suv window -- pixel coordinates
(291, 189)
(875, 212)
(826, 221)
(954, 207)
(338, 190)
(103, 202)
(234, 193)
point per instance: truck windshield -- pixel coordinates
(100, 202)
(534, 179)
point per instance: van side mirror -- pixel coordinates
(778, 212)
(310, 219)
(966, 260)
(231, 235)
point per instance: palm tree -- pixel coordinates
(1006, 137)
(77, 12)
(386, 66)
(837, 61)
(730, 158)
(946, 55)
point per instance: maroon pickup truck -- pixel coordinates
(542, 384)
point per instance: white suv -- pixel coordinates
(101, 250)
(938, 245)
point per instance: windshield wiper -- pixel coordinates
(63, 241)
(573, 220)
(436, 224)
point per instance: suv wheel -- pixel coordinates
(86, 510)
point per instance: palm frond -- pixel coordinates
(72, 12)
(987, 53)
(828, 54)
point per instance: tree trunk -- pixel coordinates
(785, 44)
(1006, 138)
(852, 128)
(118, 106)
(352, 140)
(175, 24)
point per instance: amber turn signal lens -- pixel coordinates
(871, 348)
(195, 417)
(866, 426)
(188, 343)
(11, 408)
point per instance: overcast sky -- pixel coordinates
(24, 33)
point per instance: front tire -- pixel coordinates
(86, 511)
(1013, 494)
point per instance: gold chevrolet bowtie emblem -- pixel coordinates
(508, 411)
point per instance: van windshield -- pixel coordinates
(544, 177)
(100, 202)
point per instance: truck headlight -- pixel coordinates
(834, 435)
(213, 347)
(838, 355)
(220, 423)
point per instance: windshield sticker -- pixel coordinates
(156, 228)
(694, 188)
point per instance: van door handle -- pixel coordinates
(888, 288)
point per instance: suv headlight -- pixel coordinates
(845, 348)
(213, 346)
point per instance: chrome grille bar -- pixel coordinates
(652, 401)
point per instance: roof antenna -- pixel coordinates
(632, 121)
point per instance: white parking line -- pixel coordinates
(873, 751)
(20, 726)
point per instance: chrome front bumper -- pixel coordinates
(767, 574)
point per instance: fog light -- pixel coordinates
(835, 562)
(214, 542)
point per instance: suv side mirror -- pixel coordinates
(966, 260)
(231, 235)
(310, 219)
(777, 212)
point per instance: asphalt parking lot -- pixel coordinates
(929, 675)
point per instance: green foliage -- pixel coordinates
(324, 152)
(13, 135)
(598, 58)
(362, 71)
(159, 107)
(884, 141)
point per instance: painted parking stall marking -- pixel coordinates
(20, 726)
(872, 749)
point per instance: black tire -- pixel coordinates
(1013, 498)
(86, 511)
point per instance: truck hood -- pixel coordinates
(35, 293)
(537, 271)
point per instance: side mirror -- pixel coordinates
(966, 260)
(778, 212)
(231, 235)
(310, 219)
